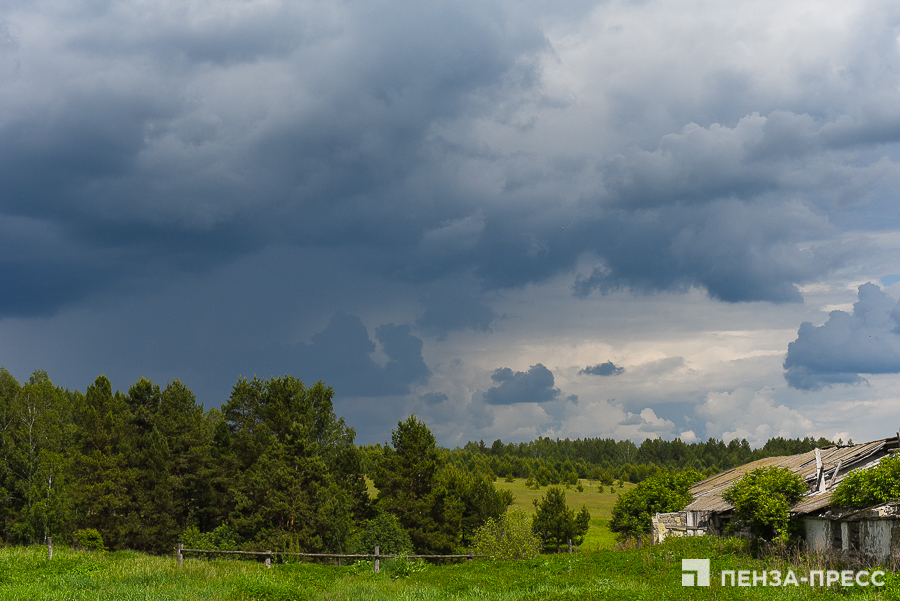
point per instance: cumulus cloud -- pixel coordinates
(646, 424)
(433, 398)
(532, 386)
(866, 341)
(602, 369)
(752, 415)
(688, 437)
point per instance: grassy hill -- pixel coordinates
(598, 504)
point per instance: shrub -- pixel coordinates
(88, 540)
(762, 502)
(872, 486)
(660, 493)
(222, 538)
(403, 567)
(509, 537)
(385, 531)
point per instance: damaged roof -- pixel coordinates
(821, 476)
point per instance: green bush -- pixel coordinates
(509, 537)
(660, 493)
(222, 538)
(88, 540)
(872, 486)
(384, 531)
(762, 502)
(403, 567)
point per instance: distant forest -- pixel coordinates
(276, 469)
(555, 461)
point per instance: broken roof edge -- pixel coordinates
(821, 469)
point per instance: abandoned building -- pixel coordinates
(873, 532)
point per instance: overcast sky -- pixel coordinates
(513, 219)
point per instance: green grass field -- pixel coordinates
(652, 573)
(598, 504)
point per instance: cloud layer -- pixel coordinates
(399, 198)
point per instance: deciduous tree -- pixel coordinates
(762, 501)
(663, 492)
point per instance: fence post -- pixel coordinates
(268, 559)
(377, 566)
(570, 546)
(179, 557)
(470, 554)
(49, 548)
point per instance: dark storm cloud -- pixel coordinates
(273, 124)
(532, 386)
(864, 342)
(451, 308)
(433, 398)
(156, 145)
(341, 355)
(761, 153)
(602, 369)
(737, 251)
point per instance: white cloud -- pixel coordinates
(751, 415)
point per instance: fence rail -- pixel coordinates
(180, 551)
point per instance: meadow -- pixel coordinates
(598, 504)
(651, 573)
(599, 571)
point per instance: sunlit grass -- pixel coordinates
(599, 504)
(652, 573)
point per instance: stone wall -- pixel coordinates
(679, 523)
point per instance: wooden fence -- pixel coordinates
(180, 551)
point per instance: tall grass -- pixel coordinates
(652, 573)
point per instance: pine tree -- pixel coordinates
(556, 524)
(296, 479)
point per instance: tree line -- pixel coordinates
(554, 461)
(275, 468)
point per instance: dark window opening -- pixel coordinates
(836, 540)
(853, 535)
